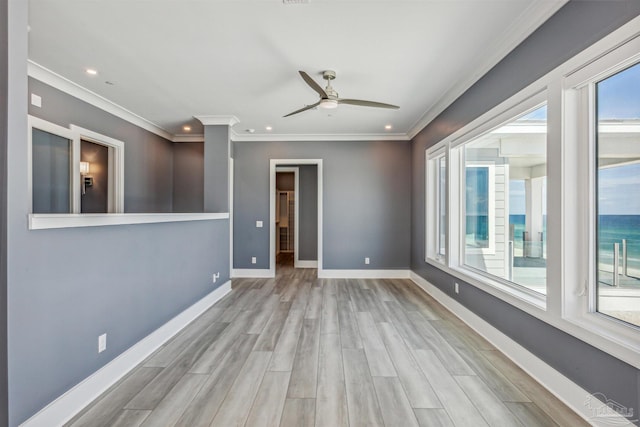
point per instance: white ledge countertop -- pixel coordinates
(45, 221)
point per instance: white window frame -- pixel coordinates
(569, 189)
(75, 134)
(52, 128)
(527, 100)
(579, 302)
(432, 206)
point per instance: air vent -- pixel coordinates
(295, 1)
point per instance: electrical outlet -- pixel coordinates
(456, 287)
(367, 260)
(215, 276)
(259, 224)
(102, 343)
(253, 260)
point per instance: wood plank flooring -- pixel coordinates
(298, 351)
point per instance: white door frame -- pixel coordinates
(273, 163)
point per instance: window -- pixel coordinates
(503, 189)
(617, 177)
(569, 145)
(436, 215)
(51, 172)
(479, 203)
(442, 206)
(74, 170)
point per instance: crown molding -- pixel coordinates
(319, 137)
(188, 138)
(228, 120)
(65, 85)
(528, 21)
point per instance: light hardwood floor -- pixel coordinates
(300, 351)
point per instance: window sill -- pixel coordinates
(46, 221)
(610, 335)
(522, 298)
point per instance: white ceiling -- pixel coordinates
(171, 60)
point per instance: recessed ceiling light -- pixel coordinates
(268, 128)
(388, 127)
(186, 128)
(91, 71)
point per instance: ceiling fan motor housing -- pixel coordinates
(329, 75)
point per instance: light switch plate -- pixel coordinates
(36, 100)
(259, 224)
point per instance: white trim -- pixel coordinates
(372, 137)
(45, 221)
(225, 120)
(560, 386)
(188, 138)
(251, 272)
(534, 16)
(364, 274)
(273, 163)
(74, 400)
(231, 172)
(306, 264)
(74, 173)
(115, 169)
(433, 226)
(65, 85)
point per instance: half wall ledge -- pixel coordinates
(47, 221)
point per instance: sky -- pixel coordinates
(618, 97)
(619, 187)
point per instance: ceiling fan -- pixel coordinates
(329, 97)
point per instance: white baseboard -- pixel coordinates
(574, 396)
(364, 274)
(306, 264)
(252, 272)
(73, 401)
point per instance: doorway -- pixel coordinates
(96, 190)
(287, 214)
(295, 215)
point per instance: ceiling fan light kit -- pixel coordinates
(329, 97)
(329, 104)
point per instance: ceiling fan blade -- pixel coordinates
(367, 103)
(308, 107)
(315, 86)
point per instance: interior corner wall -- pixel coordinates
(308, 211)
(188, 177)
(68, 286)
(3, 212)
(572, 29)
(148, 164)
(366, 201)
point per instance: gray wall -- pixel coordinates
(3, 213)
(574, 27)
(308, 206)
(366, 201)
(67, 286)
(216, 169)
(148, 165)
(188, 177)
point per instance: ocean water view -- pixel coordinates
(613, 229)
